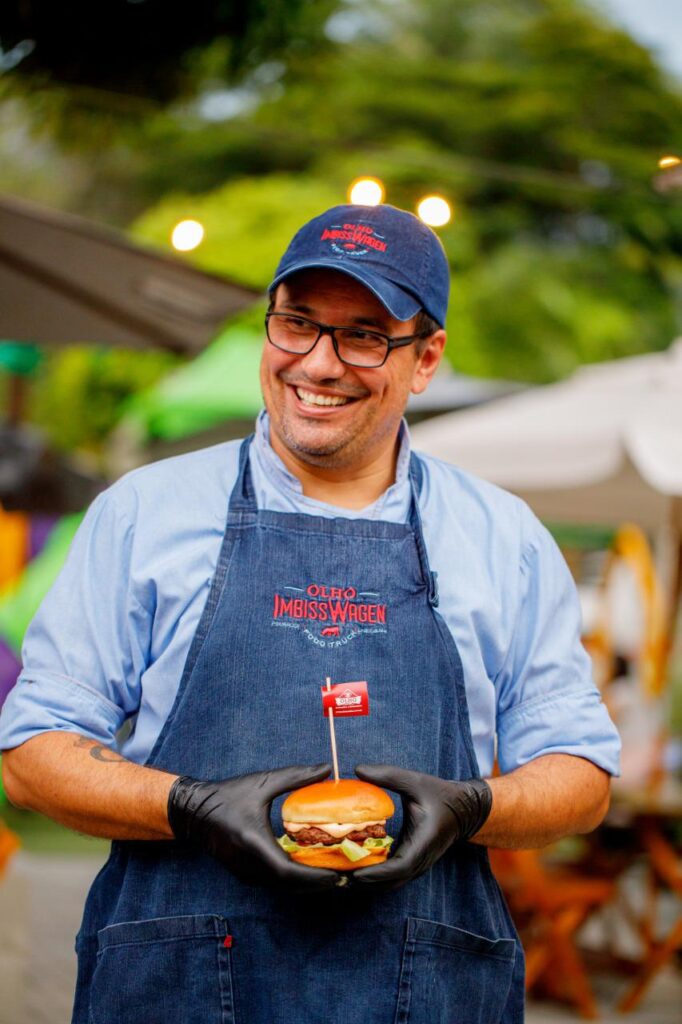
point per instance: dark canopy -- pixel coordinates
(64, 280)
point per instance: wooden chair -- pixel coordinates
(664, 873)
(549, 905)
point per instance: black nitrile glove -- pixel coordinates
(230, 819)
(436, 813)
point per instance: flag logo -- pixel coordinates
(345, 699)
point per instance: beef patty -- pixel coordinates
(311, 835)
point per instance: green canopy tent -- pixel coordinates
(220, 383)
(211, 399)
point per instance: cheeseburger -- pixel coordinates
(339, 825)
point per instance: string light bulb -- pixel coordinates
(187, 235)
(366, 192)
(434, 211)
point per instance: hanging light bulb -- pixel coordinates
(187, 235)
(434, 211)
(366, 192)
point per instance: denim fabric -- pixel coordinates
(111, 638)
(307, 597)
(449, 975)
(157, 970)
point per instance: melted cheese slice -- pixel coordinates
(336, 829)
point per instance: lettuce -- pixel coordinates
(353, 850)
(287, 844)
(378, 844)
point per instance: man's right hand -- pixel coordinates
(230, 819)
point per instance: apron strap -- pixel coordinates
(243, 499)
(243, 496)
(416, 482)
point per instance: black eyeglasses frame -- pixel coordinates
(323, 329)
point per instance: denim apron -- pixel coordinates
(169, 935)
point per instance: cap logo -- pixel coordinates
(353, 239)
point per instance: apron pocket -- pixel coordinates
(167, 970)
(450, 976)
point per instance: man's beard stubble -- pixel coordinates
(322, 455)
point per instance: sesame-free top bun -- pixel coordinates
(348, 800)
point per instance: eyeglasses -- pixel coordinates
(353, 346)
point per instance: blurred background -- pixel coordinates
(152, 169)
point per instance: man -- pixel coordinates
(207, 641)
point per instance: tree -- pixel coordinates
(541, 122)
(150, 48)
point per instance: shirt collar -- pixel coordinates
(283, 479)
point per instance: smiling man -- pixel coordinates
(336, 400)
(178, 658)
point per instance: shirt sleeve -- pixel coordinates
(84, 652)
(547, 702)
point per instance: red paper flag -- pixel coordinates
(346, 699)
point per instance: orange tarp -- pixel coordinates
(14, 545)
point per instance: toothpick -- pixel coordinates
(332, 734)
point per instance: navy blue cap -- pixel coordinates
(391, 252)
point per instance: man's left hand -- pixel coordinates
(436, 813)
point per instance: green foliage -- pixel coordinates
(248, 222)
(78, 394)
(524, 314)
(153, 49)
(543, 125)
(538, 119)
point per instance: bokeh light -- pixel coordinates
(434, 211)
(669, 161)
(366, 192)
(187, 235)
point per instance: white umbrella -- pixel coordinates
(603, 446)
(449, 391)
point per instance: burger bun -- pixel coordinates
(346, 800)
(334, 858)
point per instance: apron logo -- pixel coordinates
(329, 616)
(353, 239)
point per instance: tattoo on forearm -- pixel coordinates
(106, 754)
(100, 752)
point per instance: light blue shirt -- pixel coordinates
(109, 642)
